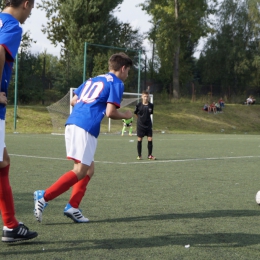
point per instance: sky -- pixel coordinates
(129, 13)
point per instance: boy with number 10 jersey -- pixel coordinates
(91, 105)
(93, 100)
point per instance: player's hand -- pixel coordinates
(128, 114)
(3, 98)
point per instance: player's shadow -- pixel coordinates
(195, 240)
(170, 216)
(198, 215)
(219, 240)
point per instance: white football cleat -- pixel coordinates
(75, 214)
(39, 204)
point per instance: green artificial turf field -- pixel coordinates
(200, 192)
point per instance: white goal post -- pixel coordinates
(128, 98)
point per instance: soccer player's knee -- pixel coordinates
(6, 159)
(90, 172)
(81, 175)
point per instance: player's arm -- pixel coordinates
(136, 111)
(3, 98)
(113, 113)
(152, 108)
(74, 100)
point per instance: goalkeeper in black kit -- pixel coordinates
(143, 111)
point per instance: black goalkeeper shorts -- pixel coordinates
(141, 132)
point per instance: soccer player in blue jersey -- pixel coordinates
(94, 99)
(14, 12)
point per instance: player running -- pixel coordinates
(15, 11)
(94, 99)
(143, 111)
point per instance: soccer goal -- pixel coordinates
(60, 110)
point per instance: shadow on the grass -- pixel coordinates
(199, 215)
(213, 240)
(209, 214)
(225, 240)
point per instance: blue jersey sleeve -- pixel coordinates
(78, 90)
(10, 35)
(115, 94)
(10, 38)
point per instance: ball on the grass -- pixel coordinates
(257, 197)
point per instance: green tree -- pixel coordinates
(254, 17)
(71, 23)
(179, 25)
(2, 5)
(230, 59)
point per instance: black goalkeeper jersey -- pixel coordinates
(144, 113)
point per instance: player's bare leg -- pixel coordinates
(67, 180)
(123, 131)
(78, 191)
(130, 130)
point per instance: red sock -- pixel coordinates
(6, 199)
(67, 180)
(78, 192)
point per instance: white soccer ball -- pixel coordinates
(257, 197)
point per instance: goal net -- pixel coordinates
(60, 111)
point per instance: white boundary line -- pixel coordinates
(161, 138)
(145, 162)
(37, 157)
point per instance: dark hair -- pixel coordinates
(15, 3)
(118, 60)
(145, 92)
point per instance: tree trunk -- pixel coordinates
(176, 84)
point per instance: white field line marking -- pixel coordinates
(188, 138)
(145, 162)
(38, 157)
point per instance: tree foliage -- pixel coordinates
(178, 25)
(230, 60)
(71, 23)
(231, 56)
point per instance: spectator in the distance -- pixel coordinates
(205, 108)
(250, 100)
(218, 108)
(212, 108)
(221, 103)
